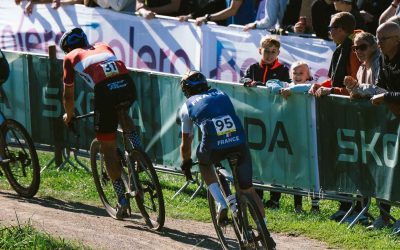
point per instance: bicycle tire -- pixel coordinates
(102, 182)
(23, 169)
(150, 199)
(228, 234)
(255, 231)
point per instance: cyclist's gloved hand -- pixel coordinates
(185, 167)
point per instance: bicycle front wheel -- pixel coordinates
(101, 179)
(21, 165)
(150, 199)
(255, 232)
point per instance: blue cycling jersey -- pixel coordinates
(214, 114)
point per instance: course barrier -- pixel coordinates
(327, 146)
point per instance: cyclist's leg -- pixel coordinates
(245, 178)
(106, 122)
(210, 178)
(128, 127)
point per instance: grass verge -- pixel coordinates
(71, 185)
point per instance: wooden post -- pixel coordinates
(53, 80)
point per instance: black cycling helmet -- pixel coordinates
(4, 68)
(73, 39)
(193, 82)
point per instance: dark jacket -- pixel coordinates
(261, 73)
(389, 78)
(321, 13)
(344, 63)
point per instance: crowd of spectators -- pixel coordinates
(362, 66)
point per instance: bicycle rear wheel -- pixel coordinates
(150, 199)
(102, 182)
(255, 232)
(21, 165)
(228, 234)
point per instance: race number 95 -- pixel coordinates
(224, 125)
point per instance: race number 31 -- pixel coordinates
(110, 69)
(224, 125)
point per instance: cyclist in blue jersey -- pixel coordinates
(222, 133)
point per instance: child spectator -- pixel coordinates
(301, 83)
(269, 66)
(258, 74)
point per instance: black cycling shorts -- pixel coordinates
(108, 95)
(245, 168)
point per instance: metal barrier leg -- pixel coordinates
(385, 212)
(353, 205)
(363, 211)
(80, 163)
(66, 154)
(181, 189)
(201, 185)
(48, 164)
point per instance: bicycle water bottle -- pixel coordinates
(232, 202)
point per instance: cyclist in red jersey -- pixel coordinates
(114, 90)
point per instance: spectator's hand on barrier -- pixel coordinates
(299, 27)
(147, 14)
(322, 91)
(200, 20)
(184, 18)
(186, 166)
(314, 88)
(249, 26)
(285, 92)
(55, 4)
(350, 82)
(378, 99)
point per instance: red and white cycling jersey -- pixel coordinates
(94, 64)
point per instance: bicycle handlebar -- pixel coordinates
(71, 124)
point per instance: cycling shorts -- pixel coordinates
(245, 168)
(107, 96)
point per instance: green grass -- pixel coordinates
(74, 186)
(26, 237)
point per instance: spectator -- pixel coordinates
(321, 11)
(388, 35)
(368, 53)
(239, 12)
(258, 74)
(269, 67)
(284, 13)
(395, 19)
(301, 82)
(212, 6)
(150, 8)
(350, 6)
(117, 5)
(55, 4)
(392, 10)
(344, 62)
(371, 10)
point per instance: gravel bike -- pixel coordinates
(18, 157)
(139, 177)
(244, 228)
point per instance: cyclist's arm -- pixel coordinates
(186, 147)
(68, 99)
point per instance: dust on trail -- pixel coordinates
(92, 227)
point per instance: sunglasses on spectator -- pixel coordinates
(362, 47)
(346, 2)
(332, 27)
(382, 39)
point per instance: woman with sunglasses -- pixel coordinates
(366, 49)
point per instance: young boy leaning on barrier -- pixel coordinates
(301, 77)
(258, 74)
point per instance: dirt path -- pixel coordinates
(92, 226)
